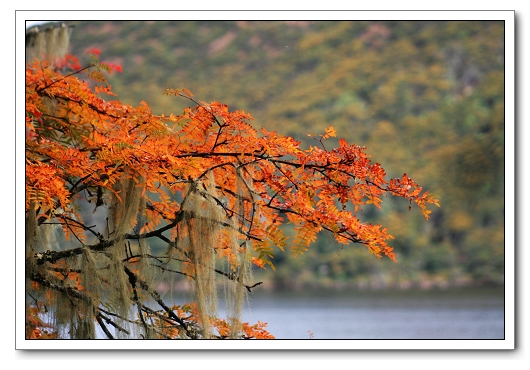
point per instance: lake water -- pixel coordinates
(463, 314)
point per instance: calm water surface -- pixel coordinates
(469, 314)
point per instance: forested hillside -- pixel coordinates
(423, 95)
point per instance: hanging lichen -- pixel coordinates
(145, 271)
(239, 266)
(125, 206)
(209, 228)
(92, 276)
(199, 231)
(123, 217)
(235, 291)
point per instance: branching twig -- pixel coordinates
(103, 326)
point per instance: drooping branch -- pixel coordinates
(234, 277)
(69, 291)
(103, 326)
(112, 323)
(203, 184)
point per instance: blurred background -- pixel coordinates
(424, 97)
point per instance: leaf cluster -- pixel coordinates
(81, 148)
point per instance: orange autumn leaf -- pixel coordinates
(205, 183)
